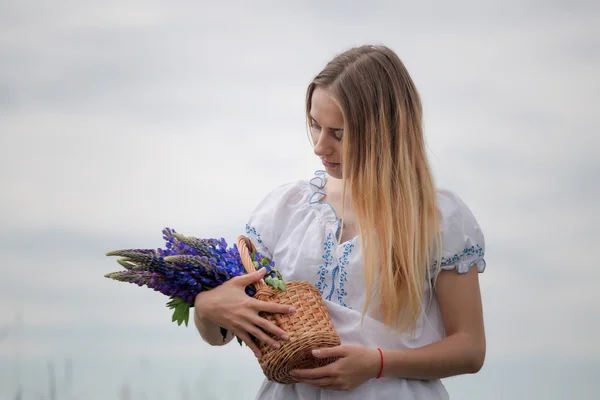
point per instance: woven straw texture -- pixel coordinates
(308, 328)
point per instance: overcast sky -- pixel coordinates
(118, 118)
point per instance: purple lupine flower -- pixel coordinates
(186, 267)
(140, 278)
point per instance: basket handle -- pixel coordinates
(246, 248)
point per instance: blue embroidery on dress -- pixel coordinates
(324, 269)
(342, 262)
(252, 231)
(339, 275)
(475, 250)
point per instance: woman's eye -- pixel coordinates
(339, 135)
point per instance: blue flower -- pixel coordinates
(186, 266)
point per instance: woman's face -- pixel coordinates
(326, 130)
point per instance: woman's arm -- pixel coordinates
(462, 351)
(210, 332)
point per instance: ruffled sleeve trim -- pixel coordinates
(465, 261)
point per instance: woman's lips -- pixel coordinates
(329, 164)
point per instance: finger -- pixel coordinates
(273, 308)
(250, 343)
(247, 279)
(262, 336)
(337, 351)
(313, 373)
(268, 326)
(328, 382)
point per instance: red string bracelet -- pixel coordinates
(381, 370)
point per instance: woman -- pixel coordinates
(398, 271)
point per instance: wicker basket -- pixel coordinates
(309, 328)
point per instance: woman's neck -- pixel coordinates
(334, 190)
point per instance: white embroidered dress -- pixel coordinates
(298, 232)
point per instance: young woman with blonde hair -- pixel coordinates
(396, 259)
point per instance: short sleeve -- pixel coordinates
(463, 242)
(270, 218)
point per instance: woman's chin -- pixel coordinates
(335, 173)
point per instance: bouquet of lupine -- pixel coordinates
(186, 267)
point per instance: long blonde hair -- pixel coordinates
(386, 170)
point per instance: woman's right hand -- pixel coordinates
(230, 307)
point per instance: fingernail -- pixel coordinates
(292, 309)
(285, 337)
(276, 345)
(316, 352)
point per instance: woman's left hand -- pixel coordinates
(356, 365)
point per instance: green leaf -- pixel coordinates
(240, 341)
(187, 315)
(181, 310)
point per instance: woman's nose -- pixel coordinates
(323, 146)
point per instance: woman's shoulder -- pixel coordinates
(281, 205)
(451, 205)
(463, 241)
(286, 194)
